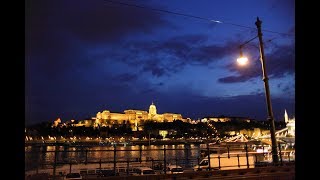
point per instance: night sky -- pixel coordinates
(85, 56)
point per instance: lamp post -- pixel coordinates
(267, 91)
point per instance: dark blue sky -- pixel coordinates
(83, 56)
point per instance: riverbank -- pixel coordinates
(119, 143)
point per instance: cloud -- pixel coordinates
(169, 56)
(288, 89)
(195, 49)
(282, 61)
(96, 21)
(234, 79)
(74, 48)
(154, 67)
(59, 33)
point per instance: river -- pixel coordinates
(38, 156)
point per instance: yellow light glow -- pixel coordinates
(242, 60)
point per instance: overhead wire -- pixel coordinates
(192, 16)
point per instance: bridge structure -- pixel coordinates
(281, 135)
(238, 138)
(285, 135)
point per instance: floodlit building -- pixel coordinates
(56, 122)
(134, 118)
(225, 119)
(290, 123)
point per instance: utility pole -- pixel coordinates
(267, 94)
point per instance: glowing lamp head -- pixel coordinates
(242, 60)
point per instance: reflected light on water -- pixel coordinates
(156, 152)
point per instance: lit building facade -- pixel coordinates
(225, 119)
(134, 118)
(56, 122)
(290, 123)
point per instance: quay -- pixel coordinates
(121, 161)
(286, 172)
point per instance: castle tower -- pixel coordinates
(286, 117)
(290, 123)
(152, 109)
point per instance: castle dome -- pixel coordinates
(152, 109)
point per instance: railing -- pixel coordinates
(230, 157)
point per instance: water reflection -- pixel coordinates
(46, 154)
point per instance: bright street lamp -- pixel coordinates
(242, 60)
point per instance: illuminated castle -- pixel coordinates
(134, 118)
